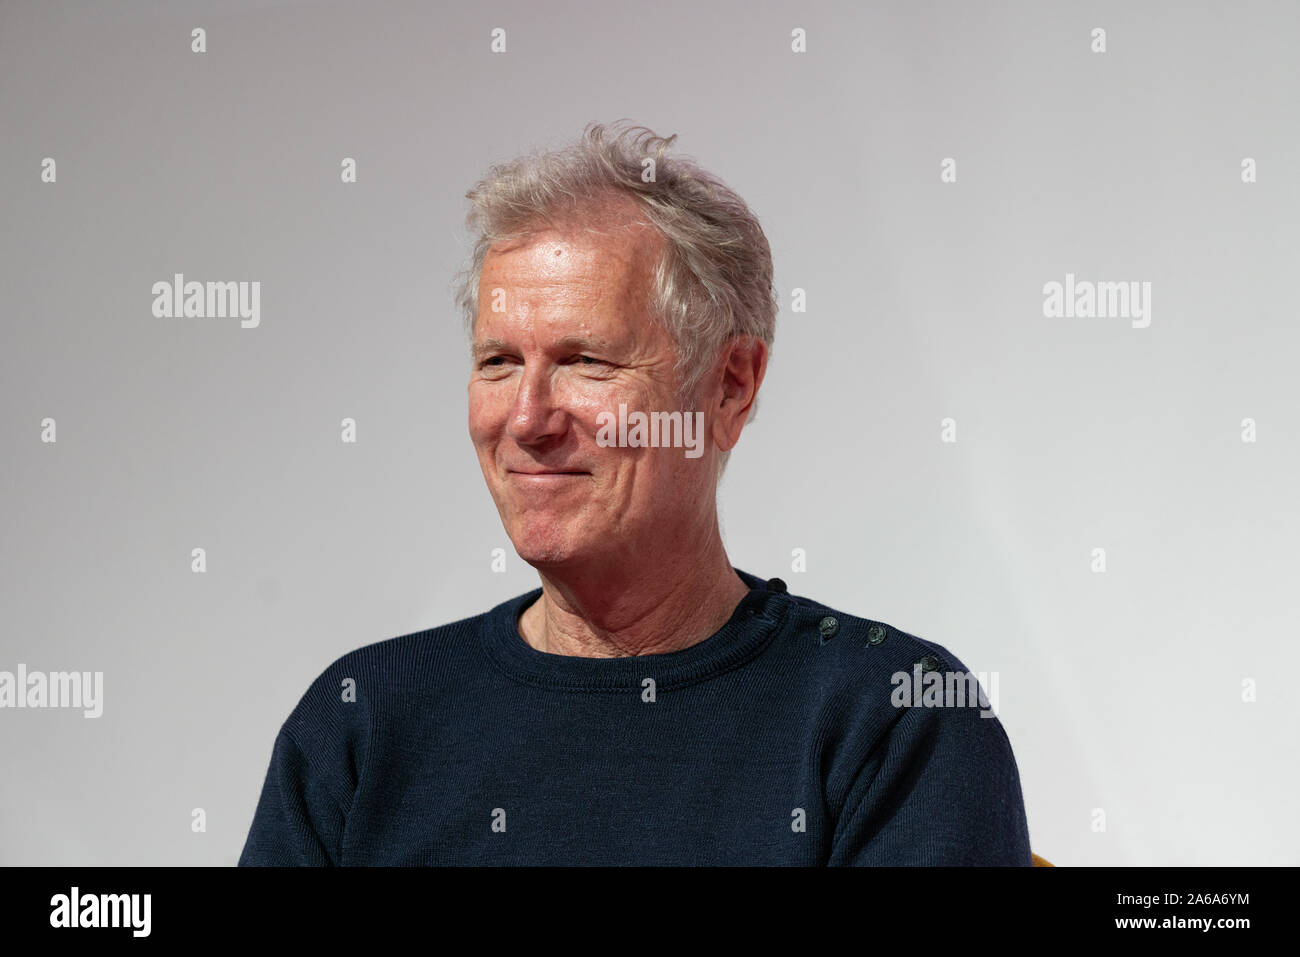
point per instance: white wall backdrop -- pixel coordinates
(1099, 508)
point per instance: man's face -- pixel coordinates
(570, 338)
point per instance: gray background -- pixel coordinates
(1119, 691)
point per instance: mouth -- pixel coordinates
(545, 473)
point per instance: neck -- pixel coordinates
(619, 609)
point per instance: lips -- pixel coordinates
(547, 472)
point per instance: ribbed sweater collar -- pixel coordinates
(758, 618)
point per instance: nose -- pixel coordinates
(534, 415)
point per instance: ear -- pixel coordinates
(744, 363)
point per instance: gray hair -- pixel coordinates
(713, 281)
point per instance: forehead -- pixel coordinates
(559, 254)
(598, 271)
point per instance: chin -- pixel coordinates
(543, 559)
(546, 549)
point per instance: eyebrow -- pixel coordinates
(486, 346)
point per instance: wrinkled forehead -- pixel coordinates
(597, 275)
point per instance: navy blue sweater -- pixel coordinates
(774, 741)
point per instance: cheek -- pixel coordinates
(582, 403)
(587, 400)
(649, 476)
(487, 413)
(591, 395)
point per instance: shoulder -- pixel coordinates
(914, 738)
(841, 647)
(343, 706)
(870, 679)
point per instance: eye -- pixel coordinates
(493, 360)
(590, 362)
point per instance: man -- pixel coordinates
(649, 703)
